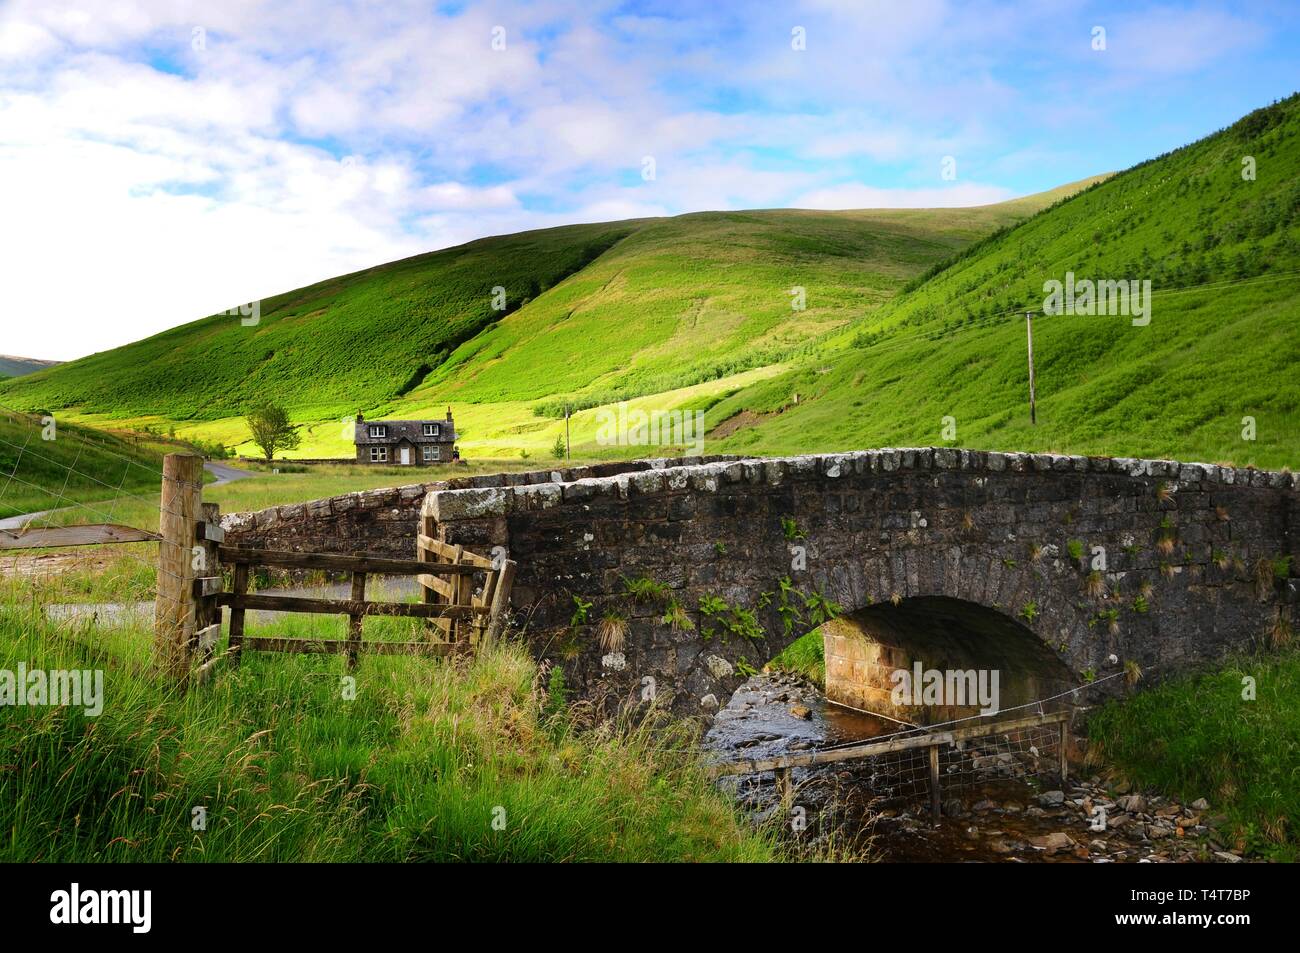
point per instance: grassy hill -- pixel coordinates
(1223, 256)
(636, 307)
(11, 366)
(335, 347)
(911, 316)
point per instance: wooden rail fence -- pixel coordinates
(191, 591)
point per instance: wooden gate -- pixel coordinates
(487, 606)
(191, 590)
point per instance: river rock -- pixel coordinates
(718, 666)
(1052, 842)
(1051, 798)
(1133, 803)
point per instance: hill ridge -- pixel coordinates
(801, 330)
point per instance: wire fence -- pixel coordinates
(60, 502)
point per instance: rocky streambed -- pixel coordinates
(873, 808)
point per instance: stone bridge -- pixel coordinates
(1060, 570)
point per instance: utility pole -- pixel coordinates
(1029, 330)
(566, 432)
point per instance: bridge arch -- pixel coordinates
(930, 659)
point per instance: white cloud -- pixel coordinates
(1172, 40)
(145, 182)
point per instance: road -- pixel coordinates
(225, 473)
(18, 522)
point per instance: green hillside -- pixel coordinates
(11, 366)
(330, 348)
(698, 297)
(1223, 256)
(592, 310)
(911, 316)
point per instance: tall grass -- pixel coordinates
(432, 760)
(804, 656)
(1196, 736)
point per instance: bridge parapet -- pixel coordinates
(503, 496)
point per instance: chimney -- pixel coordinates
(361, 418)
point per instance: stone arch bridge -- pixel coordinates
(1065, 568)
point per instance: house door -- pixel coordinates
(406, 456)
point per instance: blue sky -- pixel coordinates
(165, 159)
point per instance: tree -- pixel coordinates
(559, 450)
(271, 430)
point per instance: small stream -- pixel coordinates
(877, 807)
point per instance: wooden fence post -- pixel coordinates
(500, 600)
(207, 625)
(356, 619)
(935, 811)
(784, 788)
(456, 629)
(175, 605)
(1064, 754)
(484, 601)
(237, 615)
(425, 554)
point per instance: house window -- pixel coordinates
(378, 454)
(378, 430)
(432, 453)
(431, 430)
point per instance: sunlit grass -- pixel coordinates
(1182, 387)
(432, 760)
(1201, 736)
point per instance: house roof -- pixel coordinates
(412, 430)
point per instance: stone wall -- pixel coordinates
(1188, 550)
(383, 522)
